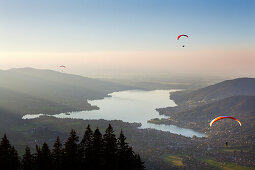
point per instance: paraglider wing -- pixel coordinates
(182, 36)
(62, 68)
(224, 117)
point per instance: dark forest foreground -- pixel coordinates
(94, 151)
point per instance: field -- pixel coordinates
(174, 160)
(226, 165)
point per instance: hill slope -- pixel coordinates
(241, 107)
(228, 88)
(35, 91)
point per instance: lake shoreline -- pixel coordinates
(167, 111)
(131, 106)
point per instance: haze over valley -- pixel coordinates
(127, 85)
(28, 91)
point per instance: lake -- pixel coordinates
(131, 106)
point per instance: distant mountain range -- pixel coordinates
(228, 88)
(28, 90)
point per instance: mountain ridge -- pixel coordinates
(52, 91)
(227, 88)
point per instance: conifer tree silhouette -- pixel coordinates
(28, 160)
(71, 151)
(97, 151)
(86, 148)
(8, 155)
(94, 152)
(110, 148)
(57, 155)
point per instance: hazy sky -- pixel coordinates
(96, 37)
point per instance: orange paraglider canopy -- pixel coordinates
(224, 117)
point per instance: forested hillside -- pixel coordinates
(241, 107)
(197, 108)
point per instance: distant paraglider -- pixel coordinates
(224, 117)
(62, 67)
(182, 35)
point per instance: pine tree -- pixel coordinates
(126, 157)
(27, 161)
(4, 152)
(122, 144)
(139, 164)
(124, 153)
(94, 152)
(45, 157)
(97, 151)
(8, 155)
(85, 148)
(110, 148)
(14, 159)
(42, 157)
(57, 155)
(71, 151)
(37, 156)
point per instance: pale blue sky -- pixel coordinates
(122, 24)
(80, 26)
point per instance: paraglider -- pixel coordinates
(182, 35)
(224, 117)
(62, 67)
